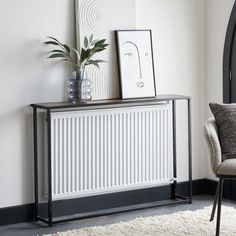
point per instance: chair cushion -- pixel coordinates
(225, 117)
(227, 167)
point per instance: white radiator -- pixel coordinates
(111, 150)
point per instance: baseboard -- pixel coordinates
(16, 214)
(24, 213)
(210, 186)
(229, 188)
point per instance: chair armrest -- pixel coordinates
(211, 134)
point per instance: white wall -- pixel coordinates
(218, 13)
(179, 49)
(26, 77)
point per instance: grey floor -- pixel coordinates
(30, 229)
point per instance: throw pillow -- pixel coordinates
(225, 117)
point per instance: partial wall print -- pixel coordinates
(101, 18)
(136, 63)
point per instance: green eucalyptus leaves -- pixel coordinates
(79, 58)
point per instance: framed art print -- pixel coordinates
(136, 67)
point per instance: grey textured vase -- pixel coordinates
(79, 87)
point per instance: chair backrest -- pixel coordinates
(212, 138)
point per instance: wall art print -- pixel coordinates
(136, 65)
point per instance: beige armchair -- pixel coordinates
(222, 169)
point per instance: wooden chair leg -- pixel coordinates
(215, 202)
(219, 206)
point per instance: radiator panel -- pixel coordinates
(104, 151)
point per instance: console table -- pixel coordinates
(109, 145)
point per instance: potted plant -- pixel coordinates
(79, 87)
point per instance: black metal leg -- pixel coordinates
(219, 207)
(35, 163)
(215, 203)
(49, 169)
(190, 150)
(173, 189)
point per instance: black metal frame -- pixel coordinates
(49, 107)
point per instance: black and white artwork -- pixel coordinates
(136, 63)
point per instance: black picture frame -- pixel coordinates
(146, 89)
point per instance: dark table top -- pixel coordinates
(110, 103)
